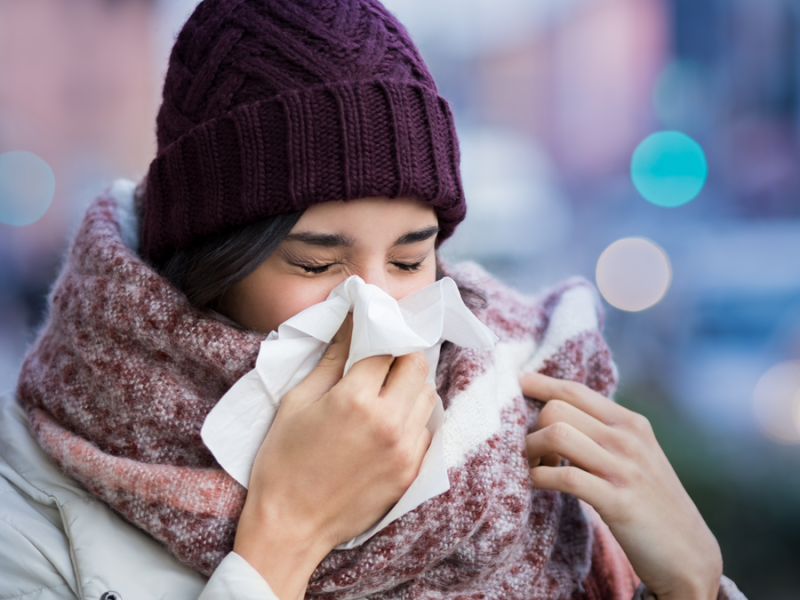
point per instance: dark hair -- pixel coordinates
(208, 267)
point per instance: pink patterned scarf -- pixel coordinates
(124, 372)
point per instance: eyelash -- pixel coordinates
(408, 267)
(318, 270)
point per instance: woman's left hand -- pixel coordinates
(619, 469)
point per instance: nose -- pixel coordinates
(375, 273)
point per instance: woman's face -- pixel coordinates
(388, 243)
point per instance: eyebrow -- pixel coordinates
(417, 236)
(325, 240)
(332, 240)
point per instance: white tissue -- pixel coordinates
(238, 424)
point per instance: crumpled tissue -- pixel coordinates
(238, 424)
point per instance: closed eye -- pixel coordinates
(408, 266)
(315, 269)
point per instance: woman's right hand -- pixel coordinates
(340, 453)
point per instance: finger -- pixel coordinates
(366, 377)
(564, 440)
(420, 410)
(417, 450)
(405, 382)
(542, 387)
(572, 480)
(423, 443)
(559, 411)
(327, 373)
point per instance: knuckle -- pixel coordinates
(557, 433)
(627, 476)
(329, 355)
(419, 362)
(429, 393)
(390, 435)
(554, 411)
(618, 442)
(355, 401)
(624, 443)
(620, 477)
(333, 355)
(573, 477)
(627, 444)
(572, 390)
(641, 424)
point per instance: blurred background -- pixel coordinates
(650, 146)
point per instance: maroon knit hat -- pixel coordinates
(271, 106)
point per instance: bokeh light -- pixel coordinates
(633, 274)
(776, 402)
(27, 185)
(669, 168)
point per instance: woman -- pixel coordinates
(300, 143)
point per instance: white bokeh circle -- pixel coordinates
(27, 186)
(633, 274)
(776, 402)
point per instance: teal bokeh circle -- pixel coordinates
(27, 185)
(669, 168)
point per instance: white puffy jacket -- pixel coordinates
(57, 542)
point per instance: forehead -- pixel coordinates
(390, 214)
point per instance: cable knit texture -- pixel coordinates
(270, 106)
(125, 370)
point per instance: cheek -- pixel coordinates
(264, 300)
(403, 284)
(288, 298)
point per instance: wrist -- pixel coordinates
(697, 579)
(285, 553)
(690, 590)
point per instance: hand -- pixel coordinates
(340, 453)
(618, 468)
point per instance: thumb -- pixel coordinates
(326, 374)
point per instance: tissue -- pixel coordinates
(238, 424)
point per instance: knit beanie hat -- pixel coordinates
(271, 106)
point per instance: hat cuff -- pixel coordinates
(339, 141)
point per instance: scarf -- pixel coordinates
(122, 375)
